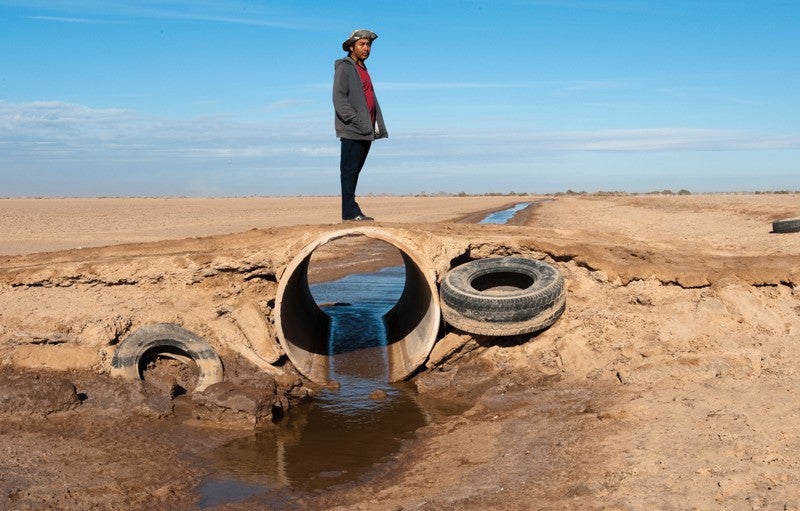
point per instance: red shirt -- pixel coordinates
(369, 93)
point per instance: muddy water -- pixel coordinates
(342, 433)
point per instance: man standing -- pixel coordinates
(358, 116)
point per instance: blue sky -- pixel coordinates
(231, 98)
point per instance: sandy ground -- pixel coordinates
(669, 382)
(45, 225)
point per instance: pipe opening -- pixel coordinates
(411, 325)
(356, 280)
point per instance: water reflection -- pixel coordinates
(322, 444)
(341, 434)
(501, 217)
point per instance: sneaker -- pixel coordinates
(359, 218)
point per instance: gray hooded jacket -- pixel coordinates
(352, 116)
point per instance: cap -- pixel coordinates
(356, 35)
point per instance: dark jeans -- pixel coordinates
(354, 154)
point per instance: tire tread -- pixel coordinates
(523, 311)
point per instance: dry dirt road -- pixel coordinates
(669, 382)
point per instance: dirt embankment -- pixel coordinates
(666, 383)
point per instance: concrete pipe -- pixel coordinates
(412, 325)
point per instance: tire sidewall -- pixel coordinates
(786, 225)
(464, 304)
(129, 353)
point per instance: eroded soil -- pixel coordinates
(668, 383)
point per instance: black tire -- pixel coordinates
(168, 340)
(503, 296)
(787, 225)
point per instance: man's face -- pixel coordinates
(361, 48)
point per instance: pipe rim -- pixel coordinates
(428, 326)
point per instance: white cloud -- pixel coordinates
(629, 140)
(664, 139)
(80, 126)
(63, 19)
(287, 103)
(557, 84)
(87, 129)
(229, 12)
(61, 148)
(603, 5)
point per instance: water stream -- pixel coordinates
(501, 217)
(341, 434)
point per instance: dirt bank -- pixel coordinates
(666, 384)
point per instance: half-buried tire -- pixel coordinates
(787, 225)
(171, 341)
(502, 296)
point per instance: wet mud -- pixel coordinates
(667, 380)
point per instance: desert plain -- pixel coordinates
(670, 381)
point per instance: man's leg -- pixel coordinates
(354, 154)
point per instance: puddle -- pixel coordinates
(343, 433)
(335, 439)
